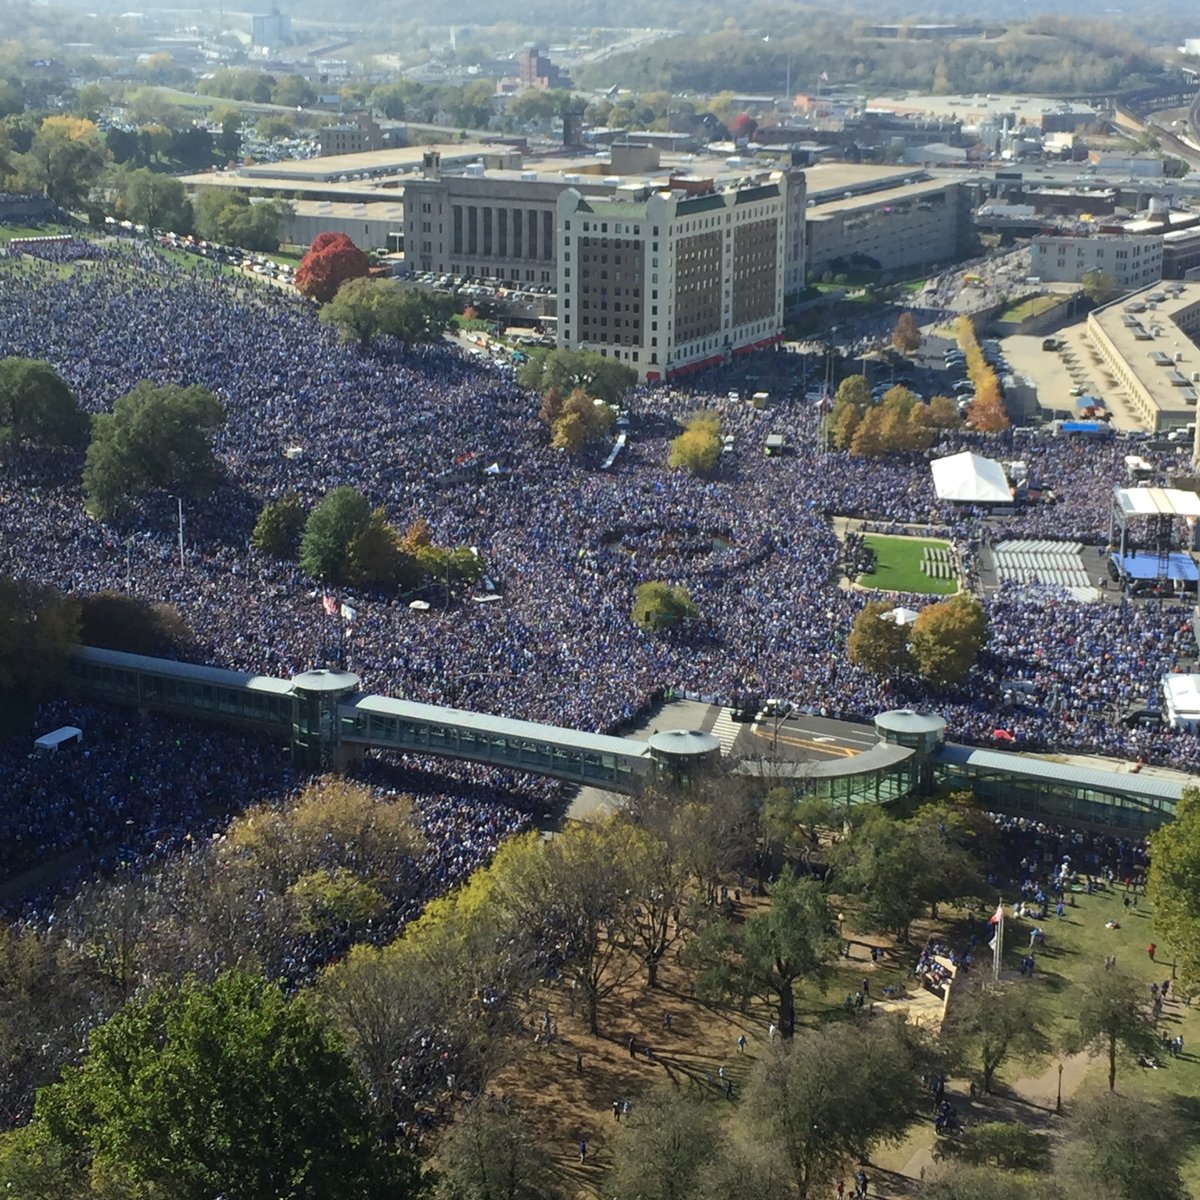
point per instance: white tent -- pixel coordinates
(970, 479)
(901, 616)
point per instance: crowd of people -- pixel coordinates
(566, 544)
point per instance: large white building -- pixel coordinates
(1134, 260)
(673, 280)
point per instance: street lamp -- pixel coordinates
(1058, 1101)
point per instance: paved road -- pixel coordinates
(805, 738)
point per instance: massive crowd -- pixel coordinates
(566, 544)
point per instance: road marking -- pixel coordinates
(803, 743)
(725, 730)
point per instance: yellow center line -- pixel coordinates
(805, 744)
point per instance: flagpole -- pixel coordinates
(998, 948)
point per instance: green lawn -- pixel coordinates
(898, 567)
(8, 232)
(1014, 314)
(1076, 944)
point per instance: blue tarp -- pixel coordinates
(1143, 565)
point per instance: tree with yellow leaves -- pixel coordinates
(65, 159)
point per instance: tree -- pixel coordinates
(946, 639)
(986, 1183)
(37, 629)
(898, 869)
(878, 644)
(582, 420)
(1110, 1017)
(229, 143)
(155, 437)
(771, 951)
(1009, 1145)
(854, 389)
(994, 1022)
(374, 555)
(698, 447)
(987, 412)
(491, 1155)
(331, 527)
(602, 377)
(844, 419)
(222, 1089)
(331, 260)
(576, 888)
(37, 405)
(906, 335)
(1099, 286)
(293, 91)
(228, 216)
(1126, 1147)
(278, 526)
(157, 201)
(666, 1149)
(659, 606)
(365, 307)
(943, 413)
(825, 1098)
(1175, 886)
(64, 160)
(869, 439)
(120, 622)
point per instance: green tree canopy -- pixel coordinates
(225, 1089)
(666, 1149)
(364, 307)
(155, 437)
(278, 526)
(896, 870)
(1100, 286)
(491, 1155)
(602, 377)
(1126, 1146)
(157, 201)
(1175, 886)
(992, 1023)
(64, 160)
(228, 216)
(341, 515)
(1110, 1017)
(825, 1098)
(659, 606)
(37, 405)
(946, 639)
(768, 953)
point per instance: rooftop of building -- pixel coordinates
(979, 107)
(832, 180)
(1162, 362)
(367, 210)
(830, 209)
(397, 161)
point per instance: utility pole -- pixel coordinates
(179, 501)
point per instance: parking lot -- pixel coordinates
(1054, 373)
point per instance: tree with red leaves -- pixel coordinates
(331, 260)
(742, 127)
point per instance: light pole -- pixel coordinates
(1058, 1101)
(179, 503)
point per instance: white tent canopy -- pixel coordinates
(970, 479)
(901, 616)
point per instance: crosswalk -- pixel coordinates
(725, 730)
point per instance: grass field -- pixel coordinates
(898, 567)
(1014, 314)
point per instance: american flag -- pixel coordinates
(329, 604)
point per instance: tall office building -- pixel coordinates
(673, 280)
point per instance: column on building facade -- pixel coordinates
(547, 236)
(488, 249)
(531, 220)
(502, 232)
(472, 229)
(518, 234)
(456, 224)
